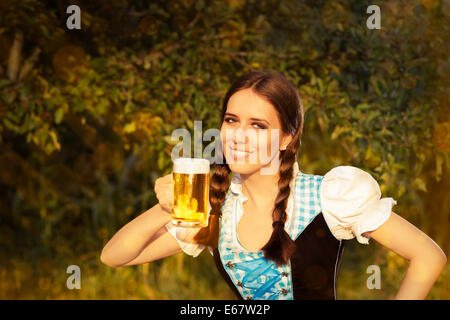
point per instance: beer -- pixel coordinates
(191, 192)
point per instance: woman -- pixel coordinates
(279, 235)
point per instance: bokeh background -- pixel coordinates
(86, 118)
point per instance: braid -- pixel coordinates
(280, 247)
(220, 182)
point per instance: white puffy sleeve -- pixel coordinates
(182, 235)
(352, 204)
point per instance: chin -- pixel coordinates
(244, 168)
(249, 168)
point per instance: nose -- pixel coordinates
(239, 137)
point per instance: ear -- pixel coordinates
(285, 140)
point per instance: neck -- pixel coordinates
(261, 190)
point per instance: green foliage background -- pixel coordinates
(86, 118)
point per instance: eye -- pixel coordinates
(261, 126)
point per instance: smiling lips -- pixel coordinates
(239, 153)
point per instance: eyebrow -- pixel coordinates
(256, 119)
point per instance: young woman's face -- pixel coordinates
(251, 132)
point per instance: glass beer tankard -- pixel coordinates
(191, 192)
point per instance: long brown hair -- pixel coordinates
(283, 95)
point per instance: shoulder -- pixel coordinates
(349, 175)
(306, 190)
(307, 186)
(304, 180)
(306, 204)
(351, 202)
(348, 186)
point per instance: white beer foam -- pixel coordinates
(191, 165)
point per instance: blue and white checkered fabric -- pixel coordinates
(254, 276)
(307, 203)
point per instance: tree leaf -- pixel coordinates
(420, 184)
(130, 127)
